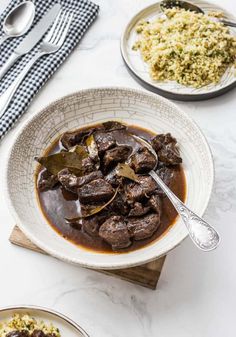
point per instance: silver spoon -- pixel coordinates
(202, 234)
(165, 4)
(18, 21)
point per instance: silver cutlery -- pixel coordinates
(191, 7)
(18, 21)
(51, 44)
(32, 38)
(202, 234)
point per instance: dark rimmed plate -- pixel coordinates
(139, 69)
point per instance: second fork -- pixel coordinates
(51, 44)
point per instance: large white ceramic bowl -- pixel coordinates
(92, 106)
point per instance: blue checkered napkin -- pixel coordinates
(85, 13)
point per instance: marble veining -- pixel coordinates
(196, 293)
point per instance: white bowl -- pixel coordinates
(88, 107)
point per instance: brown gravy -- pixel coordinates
(58, 203)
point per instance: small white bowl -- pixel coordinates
(93, 106)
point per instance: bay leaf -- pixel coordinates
(123, 170)
(56, 162)
(80, 150)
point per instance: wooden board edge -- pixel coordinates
(146, 275)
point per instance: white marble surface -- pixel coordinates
(196, 294)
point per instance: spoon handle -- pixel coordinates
(202, 234)
(228, 23)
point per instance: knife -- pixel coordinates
(31, 39)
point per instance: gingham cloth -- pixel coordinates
(85, 13)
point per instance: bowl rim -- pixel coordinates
(45, 310)
(61, 255)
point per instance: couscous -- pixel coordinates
(190, 48)
(27, 326)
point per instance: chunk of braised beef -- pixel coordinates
(104, 140)
(143, 227)
(70, 139)
(138, 209)
(92, 224)
(46, 181)
(143, 188)
(167, 175)
(71, 182)
(38, 333)
(166, 148)
(162, 139)
(115, 232)
(157, 142)
(115, 155)
(88, 178)
(142, 161)
(113, 179)
(98, 190)
(68, 180)
(17, 333)
(155, 203)
(112, 125)
(88, 165)
(119, 204)
(169, 154)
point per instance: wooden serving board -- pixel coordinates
(146, 275)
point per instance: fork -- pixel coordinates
(52, 42)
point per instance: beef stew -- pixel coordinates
(94, 189)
